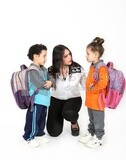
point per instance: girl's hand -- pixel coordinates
(91, 86)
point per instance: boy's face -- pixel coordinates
(41, 58)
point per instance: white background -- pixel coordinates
(73, 23)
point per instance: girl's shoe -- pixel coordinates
(86, 138)
(94, 142)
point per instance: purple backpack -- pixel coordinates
(115, 87)
(20, 90)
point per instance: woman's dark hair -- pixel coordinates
(57, 58)
(96, 45)
(35, 49)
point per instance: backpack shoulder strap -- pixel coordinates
(32, 67)
(100, 64)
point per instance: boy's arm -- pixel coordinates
(37, 79)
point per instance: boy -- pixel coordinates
(35, 119)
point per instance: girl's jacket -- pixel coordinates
(94, 88)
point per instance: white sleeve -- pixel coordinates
(83, 78)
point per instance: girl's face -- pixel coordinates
(92, 56)
(41, 58)
(67, 58)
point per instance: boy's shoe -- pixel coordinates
(86, 138)
(32, 143)
(94, 142)
(42, 139)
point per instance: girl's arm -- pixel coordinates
(102, 81)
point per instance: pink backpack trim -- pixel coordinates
(113, 96)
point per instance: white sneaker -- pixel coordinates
(42, 139)
(86, 138)
(94, 142)
(32, 143)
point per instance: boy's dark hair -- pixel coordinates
(35, 49)
(96, 45)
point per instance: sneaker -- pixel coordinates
(32, 143)
(42, 139)
(86, 138)
(94, 142)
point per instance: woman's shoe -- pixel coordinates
(75, 130)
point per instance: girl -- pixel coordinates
(94, 87)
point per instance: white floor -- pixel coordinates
(65, 146)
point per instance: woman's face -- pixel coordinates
(67, 58)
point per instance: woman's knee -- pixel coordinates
(54, 132)
(54, 128)
(70, 116)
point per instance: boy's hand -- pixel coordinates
(48, 84)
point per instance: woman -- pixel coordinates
(66, 99)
